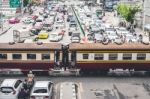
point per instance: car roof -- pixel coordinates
(8, 82)
(41, 83)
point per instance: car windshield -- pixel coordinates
(6, 89)
(46, 25)
(53, 35)
(110, 29)
(38, 20)
(40, 90)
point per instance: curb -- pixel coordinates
(5, 31)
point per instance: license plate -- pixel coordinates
(39, 98)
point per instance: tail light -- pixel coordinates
(46, 97)
(32, 97)
(14, 92)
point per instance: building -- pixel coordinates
(146, 16)
(7, 10)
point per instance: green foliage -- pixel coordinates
(25, 2)
(128, 12)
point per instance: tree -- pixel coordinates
(25, 3)
(128, 12)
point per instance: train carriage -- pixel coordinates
(99, 57)
(29, 56)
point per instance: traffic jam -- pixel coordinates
(59, 22)
(65, 23)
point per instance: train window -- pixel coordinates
(85, 56)
(17, 56)
(46, 56)
(141, 56)
(99, 56)
(31, 56)
(113, 56)
(127, 56)
(3, 56)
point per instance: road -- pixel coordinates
(99, 87)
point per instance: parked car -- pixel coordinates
(10, 88)
(55, 37)
(42, 90)
(43, 35)
(14, 20)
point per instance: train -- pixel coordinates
(86, 57)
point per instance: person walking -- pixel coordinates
(22, 94)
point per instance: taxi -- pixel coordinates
(43, 35)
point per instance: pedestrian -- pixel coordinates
(22, 94)
(25, 84)
(30, 79)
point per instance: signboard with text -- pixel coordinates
(14, 3)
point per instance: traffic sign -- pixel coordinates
(14, 3)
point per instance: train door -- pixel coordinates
(73, 59)
(65, 55)
(57, 62)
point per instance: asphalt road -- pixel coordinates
(103, 87)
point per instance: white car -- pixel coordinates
(130, 38)
(59, 24)
(55, 37)
(28, 20)
(122, 31)
(10, 88)
(42, 90)
(145, 39)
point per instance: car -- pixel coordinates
(28, 20)
(75, 38)
(10, 88)
(59, 24)
(122, 31)
(98, 37)
(93, 28)
(38, 26)
(34, 17)
(72, 28)
(55, 37)
(42, 90)
(145, 39)
(14, 20)
(47, 27)
(43, 34)
(131, 38)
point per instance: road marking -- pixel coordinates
(80, 90)
(81, 87)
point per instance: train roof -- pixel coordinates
(112, 46)
(29, 46)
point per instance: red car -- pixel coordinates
(14, 20)
(34, 17)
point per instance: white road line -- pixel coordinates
(81, 87)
